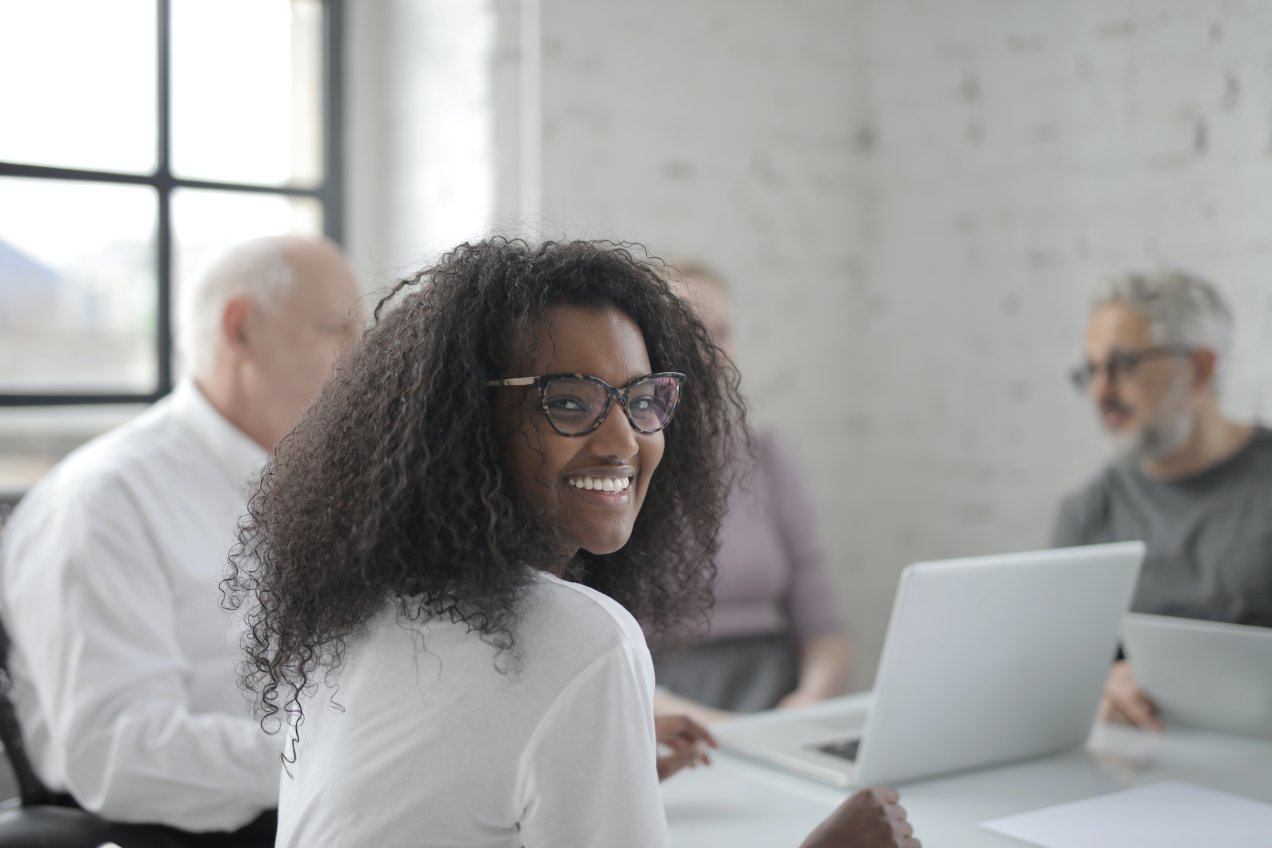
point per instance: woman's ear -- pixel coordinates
(508, 412)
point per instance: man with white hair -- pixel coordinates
(1194, 485)
(123, 662)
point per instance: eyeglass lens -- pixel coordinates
(1118, 366)
(574, 404)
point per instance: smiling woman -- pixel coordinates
(460, 537)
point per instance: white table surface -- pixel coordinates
(738, 803)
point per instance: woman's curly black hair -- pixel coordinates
(393, 489)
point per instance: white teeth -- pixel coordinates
(601, 484)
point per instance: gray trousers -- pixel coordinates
(742, 674)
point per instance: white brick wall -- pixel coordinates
(913, 201)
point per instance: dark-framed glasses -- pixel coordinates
(1121, 364)
(576, 404)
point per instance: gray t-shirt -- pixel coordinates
(1209, 536)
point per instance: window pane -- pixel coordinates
(247, 91)
(207, 223)
(77, 83)
(32, 440)
(77, 287)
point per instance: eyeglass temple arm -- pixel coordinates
(513, 381)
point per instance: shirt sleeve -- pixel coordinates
(811, 599)
(589, 773)
(93, 612)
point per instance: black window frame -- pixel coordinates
(329, 193)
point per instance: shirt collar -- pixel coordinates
(240, 456)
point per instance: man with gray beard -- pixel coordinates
(1191, 483)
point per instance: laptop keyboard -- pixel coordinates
(846, 748)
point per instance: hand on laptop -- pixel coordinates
(681, 742)
(870, 818)
(1124, 703)
(797, 698)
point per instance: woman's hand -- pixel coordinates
(798, 698)
(825, 664)
(667, 703)
(870, 818)
(681, 742)
(1123, 701)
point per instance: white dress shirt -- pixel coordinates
(123, 662)
(427, 735)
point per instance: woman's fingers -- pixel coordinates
(677, 730)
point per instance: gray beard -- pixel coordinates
(1157, 441)
(1162, 437)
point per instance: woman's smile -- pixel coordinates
(607, 489)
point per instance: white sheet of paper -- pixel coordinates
(1164, 815)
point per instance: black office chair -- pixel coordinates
(45, 819)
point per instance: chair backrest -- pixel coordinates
(31, 789)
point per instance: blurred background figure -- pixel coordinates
(123, 661)
(1191, 482)
(775, 636)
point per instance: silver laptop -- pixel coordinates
(1203, 673)
(987, 660)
